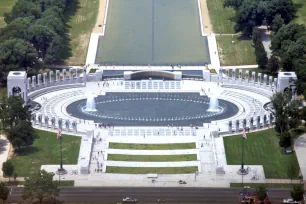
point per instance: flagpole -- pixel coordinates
(61, 164)
(242, 162)
(61, 170)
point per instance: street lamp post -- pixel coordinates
(61, 170)
(242, 160)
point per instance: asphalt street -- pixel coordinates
(151, 195)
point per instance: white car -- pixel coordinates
(129, 200)
(290, 201)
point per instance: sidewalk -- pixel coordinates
(300, 150)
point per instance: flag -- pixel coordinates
(244, 134)
(59, 133)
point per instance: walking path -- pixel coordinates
(4, 151)
(266, 40)
(206, 23)
(300, 150)
(101, 18)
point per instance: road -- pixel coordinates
(151, 195)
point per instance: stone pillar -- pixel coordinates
(58, 76)
(44, 78)
(60, 123)
(230, 126)
(47, 121)
(77, 73)
(220, 75)
(251, 123)
(258, 122)
(234, 74)
(265, 80)
(270, 119)
(275, 84)
(67, 124)
(247, 79)
(34, 118)
(33, 81)
(253, 77)
(71, 73)
(237, 125)
(227, 73)
(51, 76)
(265, 120)
(40, 119)
(84, 75)
(259, 79)
(74, 126)
(64, 74)
(53, 122)
(38, 79)
(29, 83)
(240, 75)
(244, 123)
(270, 81)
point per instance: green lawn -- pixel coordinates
(221, 18)
(3, 92)
(113, 145)
(301, 13)
(5, 7)
(261, 148)
(62, 183)
(240, 53)
(147, 170)
(45, 150)
(81, 17)
(266, 185)
(152, 158)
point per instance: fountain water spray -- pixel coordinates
(90, 103)
(213, 104)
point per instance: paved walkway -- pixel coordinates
(266, 40)
(240, 67)
(300, 149)
(4, 151)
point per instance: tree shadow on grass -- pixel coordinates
(71, 10)
(26, 151)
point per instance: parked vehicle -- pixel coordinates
(290, 201)
(129, 200)
(182, 182)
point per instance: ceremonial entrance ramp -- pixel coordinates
(155, 32)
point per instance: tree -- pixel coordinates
(256, 36)
(17, 54)
(277, 23)
(23, 8)
(8, 168)
(41, 38)
(261, 55)
(285, 8)
(285, 140)
(249, 14)
(273, 64)
(284, 110)
(261, 193)
(297, 192)
(22, 134)
(15, 175)
(4, 192)
(40, 185)
(13, 111)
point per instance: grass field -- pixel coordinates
(81, 17)
(62, 183)
(240, 53)
(301, 12)
(3, 92)
(221, 18)
(147, 170)
(152, 158)
(113, 145)
(261, 148)
(45, 150)
(5, 6)
(266, 185)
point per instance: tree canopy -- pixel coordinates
(40, 185)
